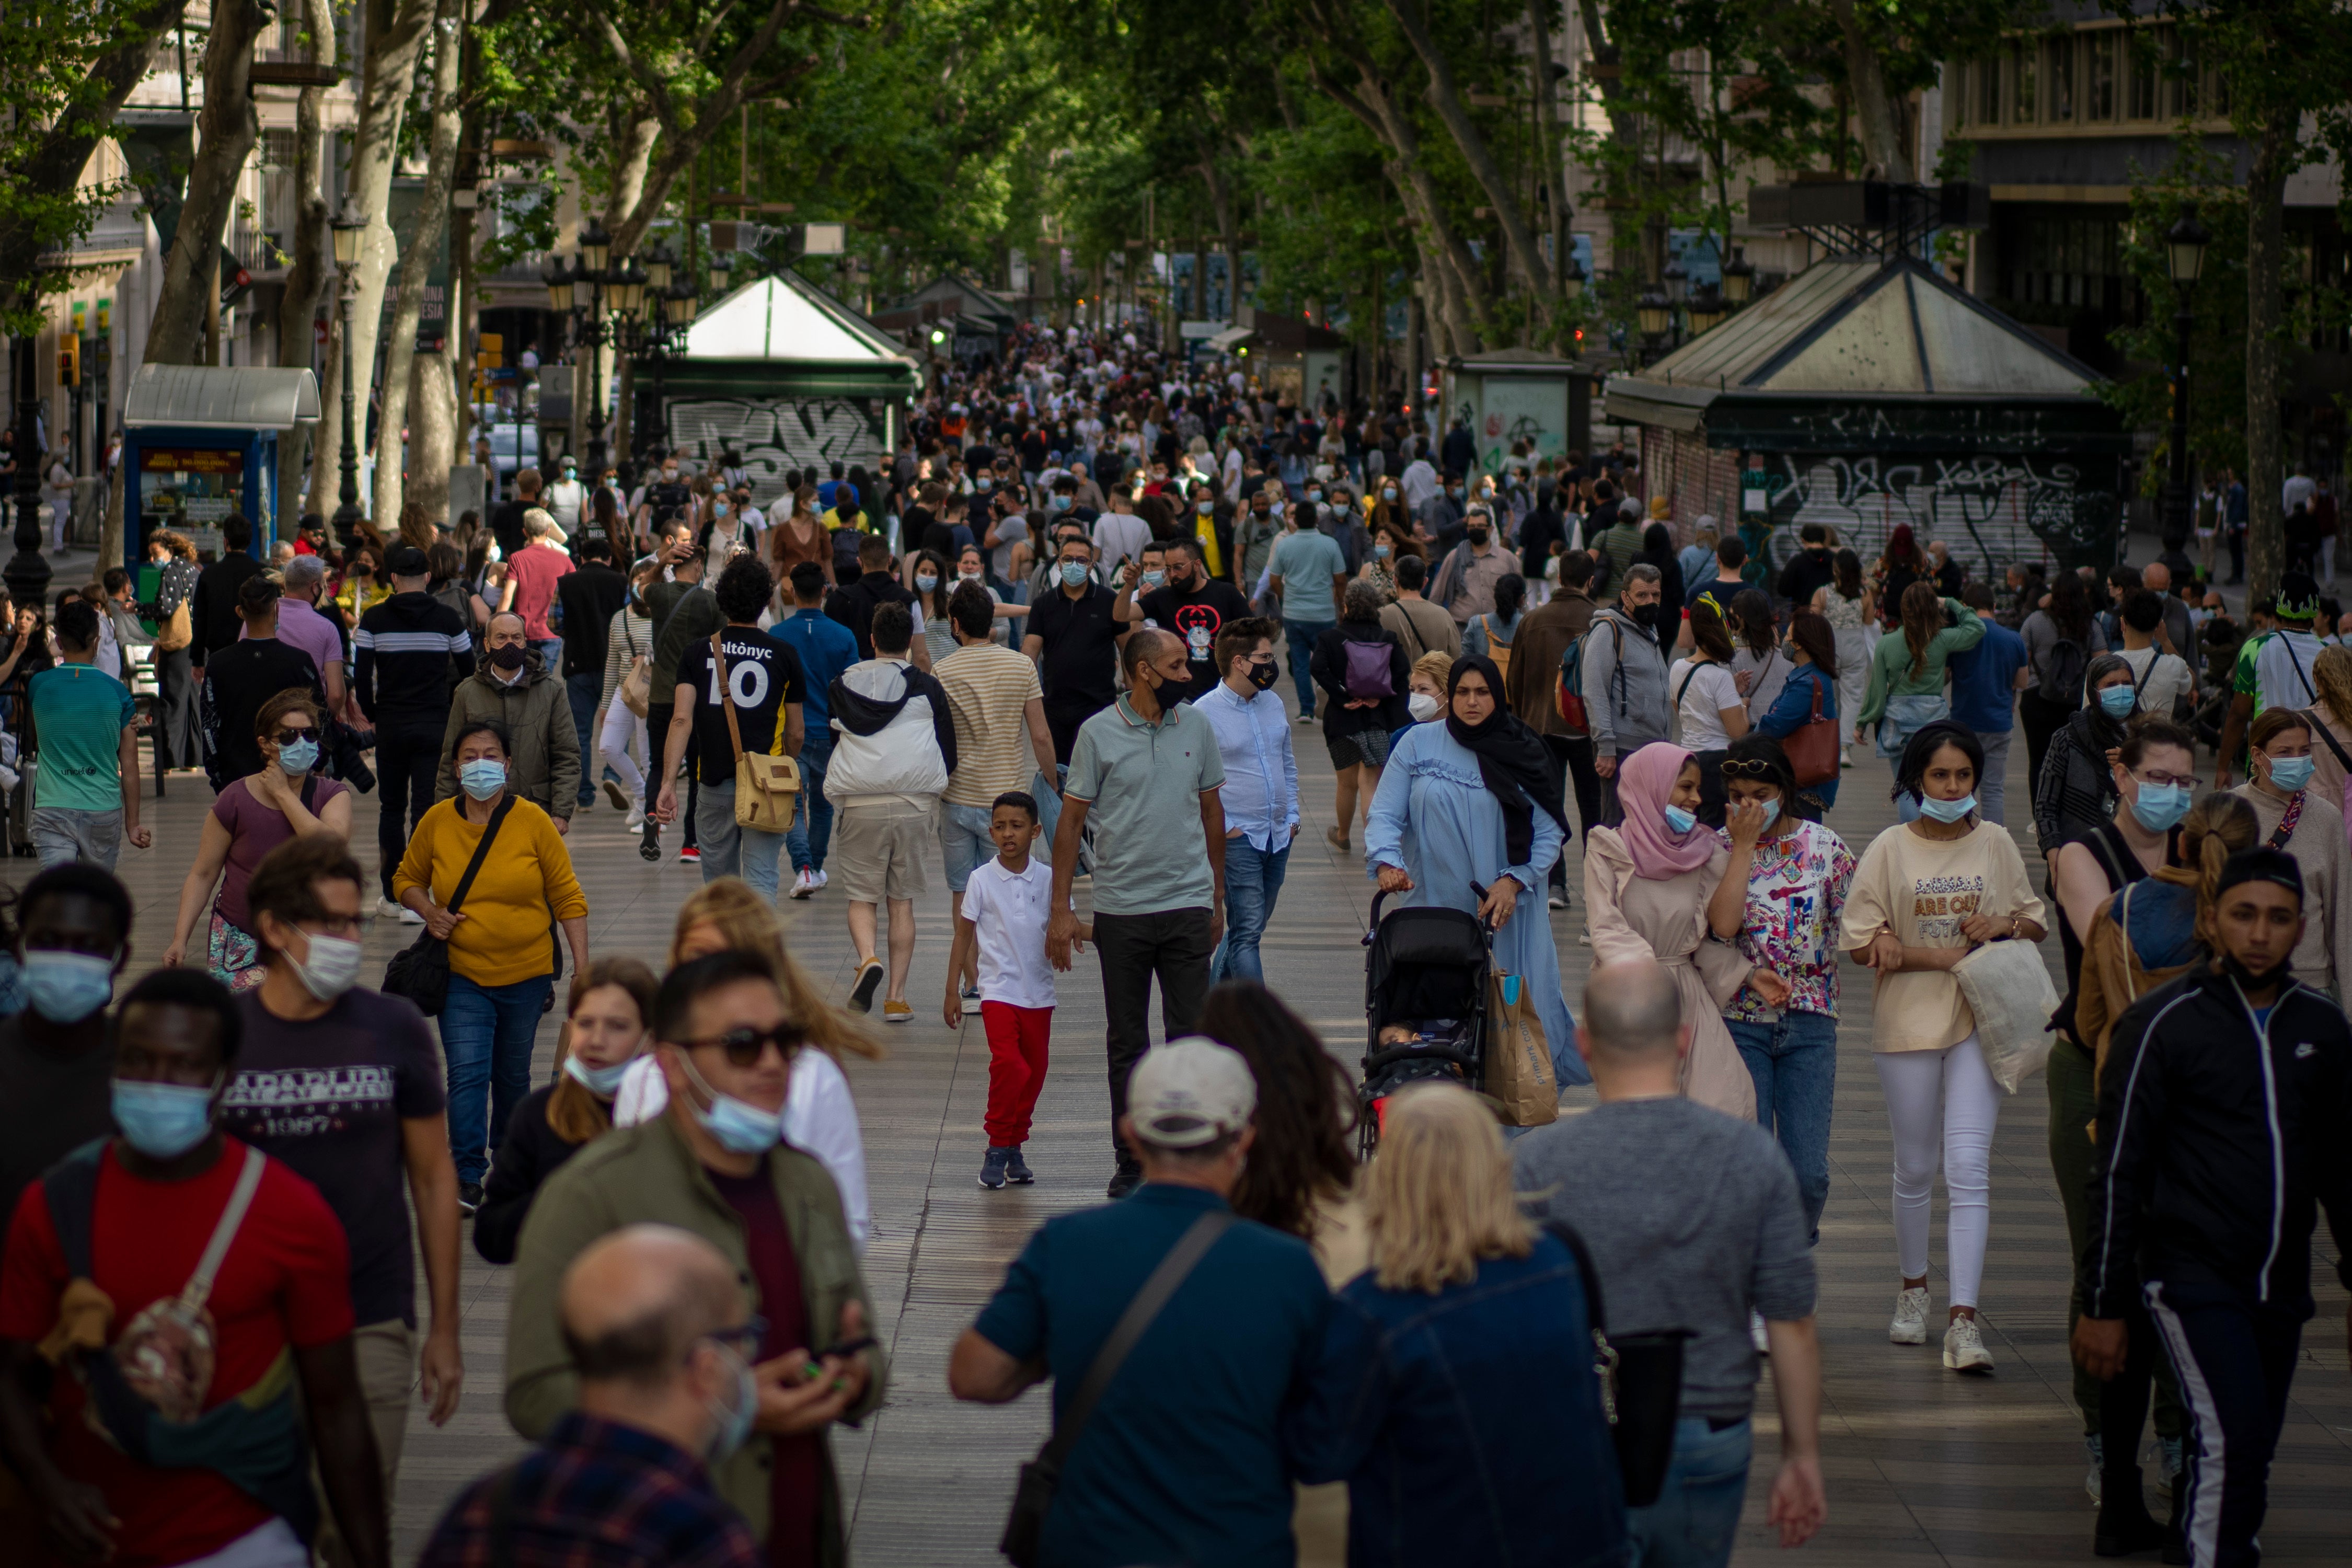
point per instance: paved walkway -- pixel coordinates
(1923, 1466)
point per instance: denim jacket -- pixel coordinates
(1467, 1425)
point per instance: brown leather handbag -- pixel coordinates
(1813, 746)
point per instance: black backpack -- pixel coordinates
(2061, 674)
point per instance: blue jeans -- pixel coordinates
(485, 1034)
(1794, 1064)
(583, 690)
(1253, 881)
(964, 843)
(1300, 636)
(811, 830)
(1695, 1520)
(729, 849)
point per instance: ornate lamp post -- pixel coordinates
(578, 291)
(1738, 280)
(1678, 284)
(2184, 256)
(27, 575)
(1706, 309)
(348, 230)
(1656, 314)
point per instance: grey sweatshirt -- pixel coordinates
(1625, 686)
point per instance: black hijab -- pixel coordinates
(1513, 761)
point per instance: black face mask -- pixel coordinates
(1262, 675)
(508, 657)
(1646, 614)
(1478, 536)
(2250, 981)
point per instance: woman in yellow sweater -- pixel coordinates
(501, 945)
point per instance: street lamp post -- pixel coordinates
(348, 230)
(28, 573)
(2184, 255)
(1677, 282)
(1656, 313)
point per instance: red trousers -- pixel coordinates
(1016, 1068)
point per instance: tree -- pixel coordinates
(312, 270)
(422, 245)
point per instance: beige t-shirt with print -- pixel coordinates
(1923, 891)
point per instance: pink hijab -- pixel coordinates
(1644, 782)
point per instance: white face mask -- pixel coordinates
(333, 968)
(1422, 707)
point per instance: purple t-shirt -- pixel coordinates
(299, 625)
(254, 830)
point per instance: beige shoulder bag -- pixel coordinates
(766, 784)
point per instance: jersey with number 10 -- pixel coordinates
(762, 674)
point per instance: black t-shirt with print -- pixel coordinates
(762, 674)
(1196, 616)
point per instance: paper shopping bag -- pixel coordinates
(1518, 1058)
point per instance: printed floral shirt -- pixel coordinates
(1796, 891)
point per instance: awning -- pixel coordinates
(216, 397)
(1225, 342)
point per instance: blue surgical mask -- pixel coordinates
(2118, 701)
(66, 987)
(1074, 574)
(162, 1120)
(482, 778)
(2290, 774)
(1153, 579)
(1679, 821)
(926, 581)
(1061, 503)
(741, 1127)
(1314, 494)
(1947, 810)
(734, 1426)
(2160, 807)
(601, 1082)
(300, 757)
(1772, 812)
(1380, 552)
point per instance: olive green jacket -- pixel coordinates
(647, 1174)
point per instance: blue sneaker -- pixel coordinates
(1016, 1169)
(992, 1169)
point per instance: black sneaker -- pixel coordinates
(649, 846)
(991, 1170)
(1016, 1169)
(1128, 1177)
(470, 1198)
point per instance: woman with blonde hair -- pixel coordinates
(608, 1024)
(1470, 1336)
(820, 1117)
(2331, 758)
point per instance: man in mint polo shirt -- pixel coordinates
(86, 794)
(1143, 770)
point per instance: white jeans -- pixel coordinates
(620, 727)
(1942, 1104)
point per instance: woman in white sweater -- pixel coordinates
(629, 637)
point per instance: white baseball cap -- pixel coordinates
(1189, 1092)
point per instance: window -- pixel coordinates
(2062, 80)
(2025, 105)
(2181, 66)
(2099, 91)
(1987, 111)
(2147, 100)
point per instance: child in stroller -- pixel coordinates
(1424, 1004)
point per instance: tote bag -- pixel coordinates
(2008, 990)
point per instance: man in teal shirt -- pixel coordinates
(86, 794)
(1310, 575)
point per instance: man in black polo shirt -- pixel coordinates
(1074, 638)
(1191, 604)
(590, 598)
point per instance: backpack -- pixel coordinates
(2062, 679)
(1367, 674)
(1496, 650)
(1567, 691)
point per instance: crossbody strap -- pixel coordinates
(199, 1286)
(726, 693)
(2319, 728)
(1172, 1271)
(481, 853)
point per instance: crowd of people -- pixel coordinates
(1048, 635)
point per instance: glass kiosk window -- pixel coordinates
(189, 490)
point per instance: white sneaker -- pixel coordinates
(804, 883)
(636, 818)
(1756, 1334)
(1910, 1325)
(409, 917)
(820, 881)
(386, 909)
(1964, 1348)
(1844, 758)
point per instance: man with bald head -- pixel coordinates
(1143, 770)
(2179, 631)
(1695, 1222)
(659, 1331)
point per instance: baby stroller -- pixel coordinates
(1426, 972)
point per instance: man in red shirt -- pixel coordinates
(533, 573)
(135, 1215)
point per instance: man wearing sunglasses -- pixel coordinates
(713, 1164)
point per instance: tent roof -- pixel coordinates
(1524, 360)
(785, 318)
(1863, 327)
(217, 397)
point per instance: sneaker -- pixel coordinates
(1910, 1325)
(869, 981)
(385, 910)
(803, 882)
(1016, 1169)
(619, 797)
(2094, 1453)
(1125, 1180)
(1307, 718)
(1964, 1348)
(688, 855)
(991, 1168)
(1756, 1334)
(898, 1012)
(820, 881)
(2175, 1461)
(636, 819)
(409, 917)
(1557, 900)
(1846, 759)
(649, 846)
(971, 993)
(470, 1198)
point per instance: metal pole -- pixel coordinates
(2177, 504)
(348, 514)
(27, 575)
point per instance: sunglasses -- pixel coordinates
(1746, 768)
(744, 1338)
(745, 1046)
(290, 736)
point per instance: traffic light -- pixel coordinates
(69, 362)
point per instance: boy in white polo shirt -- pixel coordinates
(1004, 913)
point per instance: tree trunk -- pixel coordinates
(1518, 239)
(327, 453)
(308, 280)
(395, 36)
(432, 415)
(418, 248)
(2265, 334)
(226, 128)
(1875, 121)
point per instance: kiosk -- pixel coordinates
(200, 442)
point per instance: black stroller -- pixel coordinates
(1428, 968)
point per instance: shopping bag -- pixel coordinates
(1519, 1058)
(2007, 987)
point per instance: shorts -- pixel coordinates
(964, 842)
(1369, 747)
(878, 850)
